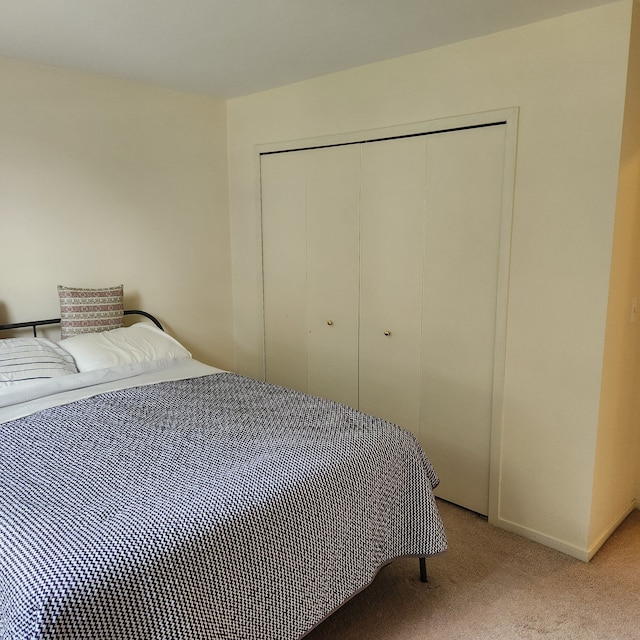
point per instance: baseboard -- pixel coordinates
(580, 553)
(595, 547)
(543, 539)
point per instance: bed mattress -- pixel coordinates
(215, 506)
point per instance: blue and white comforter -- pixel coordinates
(216, 507)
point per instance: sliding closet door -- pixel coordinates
(464, 202)
(381, 279)
(391, 246)
(284, 256)
(310, 202)
(332, 272)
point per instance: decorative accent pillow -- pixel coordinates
(90, 310)
(32, 358)
(141, 342)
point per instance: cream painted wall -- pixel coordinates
(567, 76)
(617, 471)
(106, 182)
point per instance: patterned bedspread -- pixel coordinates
(215, 507)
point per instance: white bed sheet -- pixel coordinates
(17, 401)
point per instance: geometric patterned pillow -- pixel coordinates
(90, 310)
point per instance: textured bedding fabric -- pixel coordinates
(215, 507)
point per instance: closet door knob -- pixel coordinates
(387, 333)
(330, 322)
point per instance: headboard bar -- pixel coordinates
(34, 324)
(138, 312)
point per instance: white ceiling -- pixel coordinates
(228, 48)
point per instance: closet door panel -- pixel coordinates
(332, 272)
(284, 256)
(381, 278)
(464, 202)
(391, 243)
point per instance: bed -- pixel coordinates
(145, 495)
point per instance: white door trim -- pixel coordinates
(509, 118)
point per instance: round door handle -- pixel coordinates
(387, 333)
(330, 323)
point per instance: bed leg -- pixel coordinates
(423, 570)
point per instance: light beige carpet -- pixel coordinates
(491, 584)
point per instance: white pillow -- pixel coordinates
(31, 359)
(140, 342)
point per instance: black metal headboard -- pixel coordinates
(34, 324)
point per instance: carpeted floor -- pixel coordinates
(491, 584)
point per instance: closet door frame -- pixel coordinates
(507, 117)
